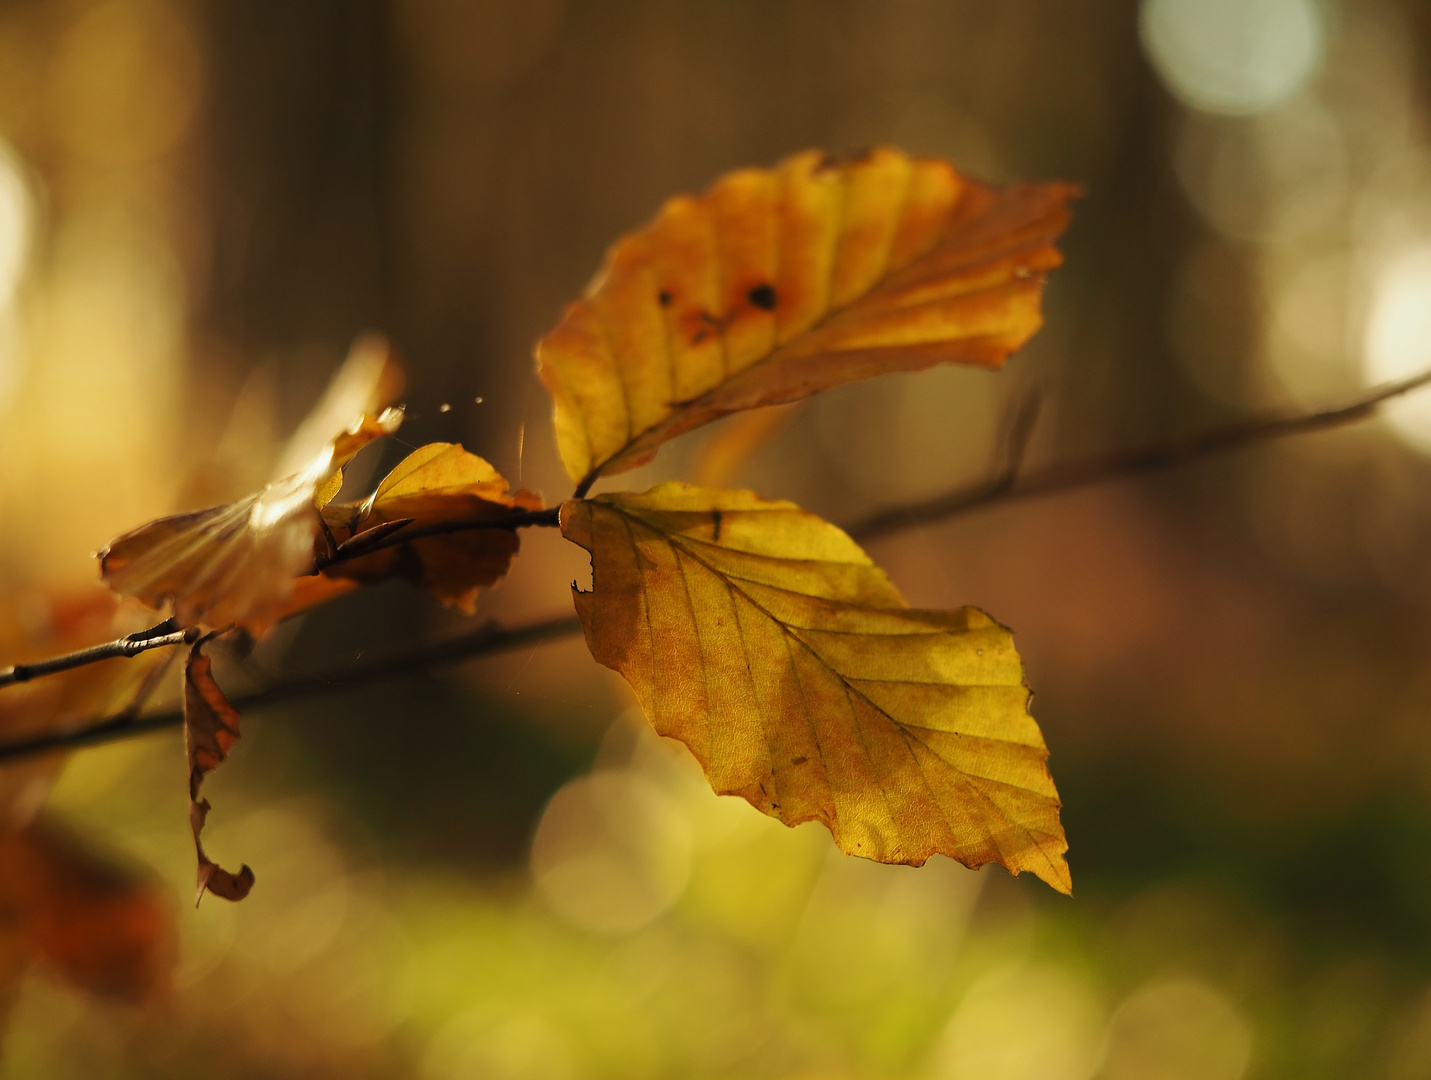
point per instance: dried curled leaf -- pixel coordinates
(435, 484)
(780, 282)
(235, 564)
(765, 640)
(100, 924)
(211, 727)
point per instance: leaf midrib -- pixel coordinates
(678, 540)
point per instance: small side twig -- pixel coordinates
(1125, 463)
(1019, 426)
(156, 637)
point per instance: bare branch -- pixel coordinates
(156, 637)
(1125, 463)
(485, 641)
(490, 639)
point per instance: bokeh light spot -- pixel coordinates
(612, 852)
(16, 229)
(1181, 1029)
(1236, 57)
(1026, 1023)
(126, 81)
(1398, 338)
(16, 214)
(484, 1042)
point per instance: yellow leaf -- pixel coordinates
(437, 483)
(765, 640)
(235, 564)
(777, 283)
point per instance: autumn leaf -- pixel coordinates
(211, 727)
(780, 282)
(235, 565)
(98, 923)
(437, 484)
(765, 640)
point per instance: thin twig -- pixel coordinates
(156, 637)
(165, 633)
(493, 639)
(1125, 463)
(485, 641)
(1018, 430)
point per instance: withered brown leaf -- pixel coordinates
(236, 564)
(437, 483)
(211, 727)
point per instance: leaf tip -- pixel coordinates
(233, 887)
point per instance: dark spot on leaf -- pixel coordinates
(699, 336)
(664, 298)
(799, 760)
(715, 533)
(763, 297)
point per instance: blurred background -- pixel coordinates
(496, 871)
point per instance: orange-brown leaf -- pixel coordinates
(435, 484)
(765, 640)
(777, 283)
(101, 925)
(211, 727)
(235, 564)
